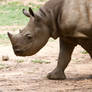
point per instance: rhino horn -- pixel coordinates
(10, 36)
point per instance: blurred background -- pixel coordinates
(11, 17)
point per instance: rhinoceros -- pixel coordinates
(68, 20)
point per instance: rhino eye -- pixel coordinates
(28, 36)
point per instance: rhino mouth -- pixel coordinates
(19, 52)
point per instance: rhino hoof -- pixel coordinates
(54, 76)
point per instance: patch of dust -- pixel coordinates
(31, 77)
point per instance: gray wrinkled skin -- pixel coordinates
(70, 20)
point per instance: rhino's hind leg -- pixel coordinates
(87, 45)
(66, 50)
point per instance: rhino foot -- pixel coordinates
(54, 75)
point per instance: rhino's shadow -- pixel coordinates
(82, 77)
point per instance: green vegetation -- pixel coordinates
(51, 40)
(4, 39)
(40, 61)
(11, 13)
(35, 7)
(2, 66)
(20, 61)
(84, 52)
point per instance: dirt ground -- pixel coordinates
(28, 76)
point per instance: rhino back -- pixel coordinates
(73, 17)
(77, 18)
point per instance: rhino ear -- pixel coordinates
(31, 11)
(28, 13)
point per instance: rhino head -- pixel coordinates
(31, 38)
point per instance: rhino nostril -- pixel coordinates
(18, 51)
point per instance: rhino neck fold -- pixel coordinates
(51, 15)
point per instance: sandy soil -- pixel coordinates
(31, 77)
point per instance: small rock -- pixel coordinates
(5, 58)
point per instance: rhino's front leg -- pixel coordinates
(64, 58)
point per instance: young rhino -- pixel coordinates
(70, 20)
